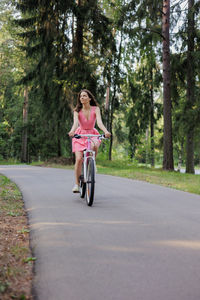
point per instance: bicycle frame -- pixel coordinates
(88, 152)
(87, 178)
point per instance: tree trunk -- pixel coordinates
(152, 119)
(147, 147)
(190, 89)
(116, 79)
(111, 124)
(107, 105)
(180, 156)
(78, 38)
(168, 163)
(24, 152)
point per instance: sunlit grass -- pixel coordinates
(185, 182)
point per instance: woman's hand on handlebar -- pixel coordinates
(107, 134)
(71, 133)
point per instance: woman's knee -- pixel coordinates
(95, 147)
(79, 158)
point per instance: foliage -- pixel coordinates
(11, 61)
(56, 48)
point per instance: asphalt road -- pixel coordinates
(138, 242)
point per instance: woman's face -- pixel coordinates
(84, 98)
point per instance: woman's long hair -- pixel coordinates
(93, 101)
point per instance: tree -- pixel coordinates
(11, 99)
(24, 152)
(66, 42)
(143, 35)
(190, 87)
(185, 91)
(168, 163)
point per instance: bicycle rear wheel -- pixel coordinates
(82, 185)
(90, 182)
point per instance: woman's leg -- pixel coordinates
(78, 165)
(95, 146)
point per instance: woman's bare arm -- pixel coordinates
(100, 123)
(75, 124)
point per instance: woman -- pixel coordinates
(85, 115)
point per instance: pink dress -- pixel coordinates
(85, 127)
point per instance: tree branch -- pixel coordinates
(152, 30)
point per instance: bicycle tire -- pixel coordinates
(90, 182)
(82, 185)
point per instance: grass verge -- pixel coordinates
(185, 182)
(15, 267)
(122, 168)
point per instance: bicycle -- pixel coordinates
(87, 178)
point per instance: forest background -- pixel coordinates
(139, 58)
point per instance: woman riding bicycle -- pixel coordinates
(86, 113)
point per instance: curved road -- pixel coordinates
(138, 242)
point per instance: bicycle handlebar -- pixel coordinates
(99, 136)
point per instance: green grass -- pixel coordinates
(11, 197)
(185, 182)
(123, 168)
(15, 262)
(10, 162)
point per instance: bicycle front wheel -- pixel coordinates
(82, 184)
(90, 182)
